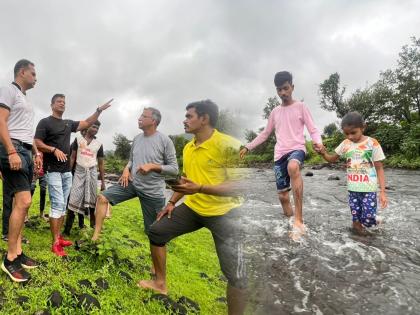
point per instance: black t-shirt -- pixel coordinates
(56, 133)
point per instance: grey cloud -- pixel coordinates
(169, 53)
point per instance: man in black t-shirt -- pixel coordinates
(52, 137)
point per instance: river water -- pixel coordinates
(332, 270)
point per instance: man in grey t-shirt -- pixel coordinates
(152, 157)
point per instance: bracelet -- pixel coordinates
(11, 153)
(53, 150)
(98, 110)
(171, 202)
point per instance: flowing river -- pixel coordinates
(332, 270)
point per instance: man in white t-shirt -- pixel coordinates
(88, 154)
(16, 150)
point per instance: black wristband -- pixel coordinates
(171, 202)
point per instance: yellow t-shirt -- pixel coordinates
(209, 164)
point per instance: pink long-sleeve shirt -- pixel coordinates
(288, 122)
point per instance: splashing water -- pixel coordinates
(332, 270)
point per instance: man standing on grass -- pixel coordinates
(211, 201)
(16, 150)
(152, 157)
(288, 121)
(53, 138)
(88, 154)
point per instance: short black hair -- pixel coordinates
(22, 64)
(282, 77)
(353, 119)
(206, 107)
(58, 95)
(97, 123)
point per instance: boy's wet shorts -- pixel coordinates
(280, 169)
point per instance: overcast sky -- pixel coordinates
(169, 53)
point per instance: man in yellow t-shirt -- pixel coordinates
(211, 189)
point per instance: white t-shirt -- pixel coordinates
(361, 158)
(87, 153)
(21, 118)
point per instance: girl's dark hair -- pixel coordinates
(353, 119)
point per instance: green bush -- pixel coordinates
(401, 161)
(332, 142)
(389, 136)
(410, 146)
(114, 164)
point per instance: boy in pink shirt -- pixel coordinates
(288, 120)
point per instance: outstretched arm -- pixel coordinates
(332, 158)
(84, 124)
(262, 137)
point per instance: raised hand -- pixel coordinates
(105, 106)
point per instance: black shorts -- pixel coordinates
(226, 231)
(16, 181)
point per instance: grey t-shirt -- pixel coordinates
(21, 118)
(159, 149)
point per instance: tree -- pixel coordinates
(330, 129)
(228, 123)
(404, 82)
(179, 143)
(271, 104)
(122, 146)
(332, 95)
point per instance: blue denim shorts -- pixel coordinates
(280, 169)
(59, 185)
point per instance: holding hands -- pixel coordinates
(319, 148)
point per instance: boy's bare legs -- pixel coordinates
(159, 261)
(296, 181)
(100, 214)
(285, 203)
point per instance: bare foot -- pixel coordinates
(359, 229)
(288, 214)
(297, 231)
(153, 285)
(153, 273)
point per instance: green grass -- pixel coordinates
(188, 256)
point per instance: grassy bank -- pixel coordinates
(193, 270)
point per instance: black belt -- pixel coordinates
(27, 146)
